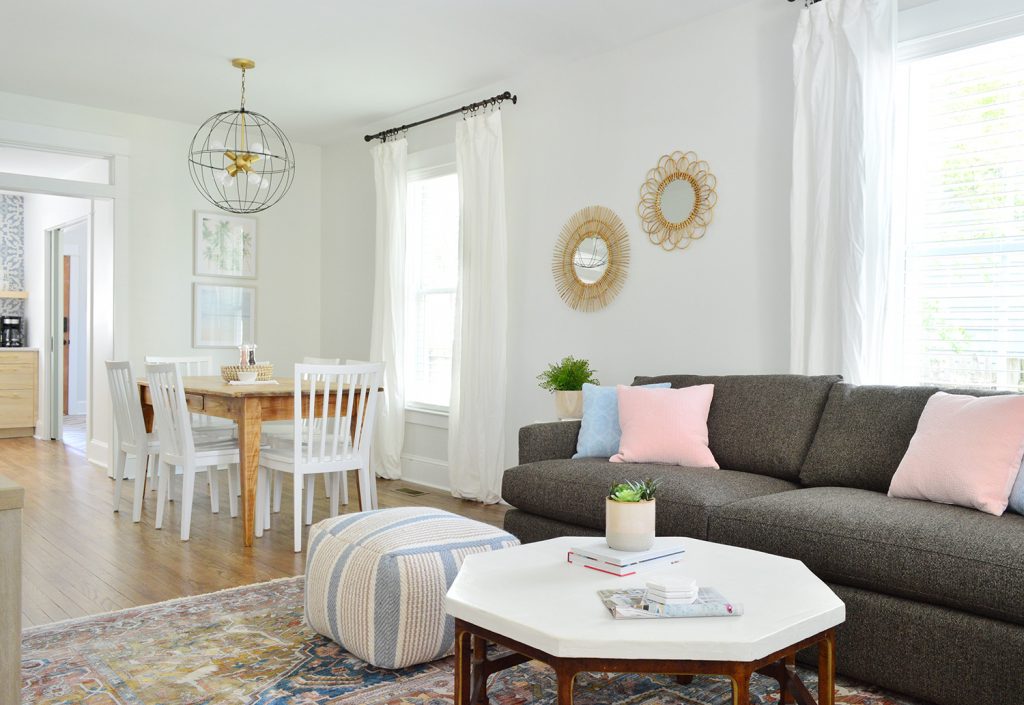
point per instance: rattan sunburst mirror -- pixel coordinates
(676, 200)
(591, 258)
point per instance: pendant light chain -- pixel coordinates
(243, 91)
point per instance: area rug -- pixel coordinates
(250, 645)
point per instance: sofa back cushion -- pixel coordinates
(760, 423)
(864, 433)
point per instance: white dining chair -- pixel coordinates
(178, 448)
(198, 366)
(334, 438)
(132, 439)
(283, 438)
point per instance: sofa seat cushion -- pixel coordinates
(574, 491)
(762, 424)
(934, 553)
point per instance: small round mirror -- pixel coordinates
(678, 200)
(590, 260)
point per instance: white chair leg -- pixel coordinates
(268, 490)
(238, 479)
(119, 464)
(365, 498)
(334, 478)
(188, 488)
(297, 507)
(278, 477)
(261, 493)
(344, 486)
(328, 485)
(163, 489)
(142, 462)
(310, 488)
(214, 481)
(232, 490)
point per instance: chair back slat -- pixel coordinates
(188, 366)
(173, 422)
(340, 401)
(124, 396)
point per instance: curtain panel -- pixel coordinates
(476, 421)
(843, 62)
(387, 335)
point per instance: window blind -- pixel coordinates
(964, 258)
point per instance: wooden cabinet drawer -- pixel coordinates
(18, 375)
(17, 408)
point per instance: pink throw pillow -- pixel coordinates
(665, 426)
(966, 451)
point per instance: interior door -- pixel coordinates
(55, 335)
(67, 327)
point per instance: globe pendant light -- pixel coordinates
(239, 160)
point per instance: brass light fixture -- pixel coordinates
(239, 159)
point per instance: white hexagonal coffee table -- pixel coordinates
(531, 601)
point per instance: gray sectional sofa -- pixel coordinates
(934, 593)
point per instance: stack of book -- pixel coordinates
(596, 555)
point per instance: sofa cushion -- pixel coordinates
(761, 424)
(934, 553)
(574, 491)
(864, 434)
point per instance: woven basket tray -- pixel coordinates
(264, 371)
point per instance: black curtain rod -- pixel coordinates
(507, 95)
(807, 2)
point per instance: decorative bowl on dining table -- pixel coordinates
(264, 371)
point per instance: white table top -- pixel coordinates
(532, 595)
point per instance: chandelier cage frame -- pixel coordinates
(239, 160)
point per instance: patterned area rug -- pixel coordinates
(250, 645)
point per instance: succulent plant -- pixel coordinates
(634, 490)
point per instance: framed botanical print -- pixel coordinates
(225, 245)
(223, 316)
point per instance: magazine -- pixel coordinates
(632, 603)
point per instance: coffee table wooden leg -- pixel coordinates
(788, 671)
(566, 679)
(827, 669)
(463, 664)
(740, 686)
(478, 672)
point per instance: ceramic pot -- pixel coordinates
(629, 526)
(569, 405)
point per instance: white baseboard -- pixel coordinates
(425, 471)
(98, 453)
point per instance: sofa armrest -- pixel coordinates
(548, 441)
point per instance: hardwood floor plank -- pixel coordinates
(81, 558)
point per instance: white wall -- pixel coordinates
(153, 255)
(587, 134)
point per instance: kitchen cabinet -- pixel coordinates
(19, 391)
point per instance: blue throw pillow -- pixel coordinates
(599, 431)
(1016, 494)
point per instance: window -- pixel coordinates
(432, 272)
(960, 217)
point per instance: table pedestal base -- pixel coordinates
(473, 668)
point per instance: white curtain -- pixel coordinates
(476, 421)
(386, 338)
(843, 56)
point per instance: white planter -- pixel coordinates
(569, 405)
(629, 526)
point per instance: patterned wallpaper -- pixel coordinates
(12, 252)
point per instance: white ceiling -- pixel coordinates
(321, 64)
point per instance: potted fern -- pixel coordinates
(565, 380)
(629, 515)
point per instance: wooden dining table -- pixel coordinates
(248, 405)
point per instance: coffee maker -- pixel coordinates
(12, 332)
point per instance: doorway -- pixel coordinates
(70, 247)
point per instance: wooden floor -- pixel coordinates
(81, 558)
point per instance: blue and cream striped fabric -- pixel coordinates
(376, 581)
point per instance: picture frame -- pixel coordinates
(223, 315)
(224, 245)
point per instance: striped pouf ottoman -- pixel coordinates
(376, 581)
